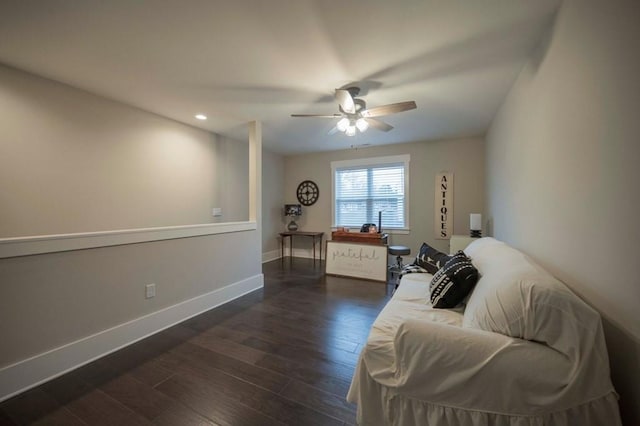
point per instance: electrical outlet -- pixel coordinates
(216, 211)
(149, 291)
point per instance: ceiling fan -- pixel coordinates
(355, 115)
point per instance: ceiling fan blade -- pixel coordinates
(388, 109)
(345, 100)
(333, 131)
(317, 115)
(379, 125)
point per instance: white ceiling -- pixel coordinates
(243, 60)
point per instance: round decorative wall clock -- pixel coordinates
(308, 192)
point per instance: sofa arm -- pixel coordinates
(452, 365)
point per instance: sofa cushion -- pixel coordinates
(478, 245)
(516, 297)
(424, 278)
(453, 282)
(430, 258)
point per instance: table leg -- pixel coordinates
(314, 248)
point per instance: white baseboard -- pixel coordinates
(31, 372)
(308, 253)
(275, 254)
(268, 256)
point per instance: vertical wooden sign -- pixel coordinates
(444, 206)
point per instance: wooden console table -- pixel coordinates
(312, 235)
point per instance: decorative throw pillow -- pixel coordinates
(451, 284)
(412, 269)
(430, 258)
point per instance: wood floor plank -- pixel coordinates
(29, 406)
(310, 323)
(324, 306)
(210, 318)
(241, 343)
(60, 417)
(239, 332)
(96, 373)
(97, 408)
(180, 415)
(210, 401)
(232, 393)
(307, 358)
(228, 347)
(5, 420)
(324, 380)
(281, 334)
(348, 318)
(273, 327)
(324, 402)
(344, 314)
(151, 372)
(66, 388)
(137, 396)
(204, 362)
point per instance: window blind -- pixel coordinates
(363, 191)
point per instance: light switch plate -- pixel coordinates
(149, 291)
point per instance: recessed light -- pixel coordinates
(201, 117)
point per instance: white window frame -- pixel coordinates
(374, 161)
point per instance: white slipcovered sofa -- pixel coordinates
(523, 350)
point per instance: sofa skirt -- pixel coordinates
(379, 405)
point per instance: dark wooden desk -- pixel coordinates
(312, 235)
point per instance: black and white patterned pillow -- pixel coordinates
(453, 282)
(412, 269)
(430, 258)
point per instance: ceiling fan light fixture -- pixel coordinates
(343, 124)
(354, 116)
(362, 124)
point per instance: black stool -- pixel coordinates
(398, 251)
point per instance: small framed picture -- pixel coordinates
(292, 210)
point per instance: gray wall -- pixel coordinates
(463, 157)
(272, 202)
(562, 170)
(54, 299)
(231, 180)
(72, 162)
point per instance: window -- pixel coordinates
(363, 188)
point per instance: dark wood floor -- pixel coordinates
(281, 355)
